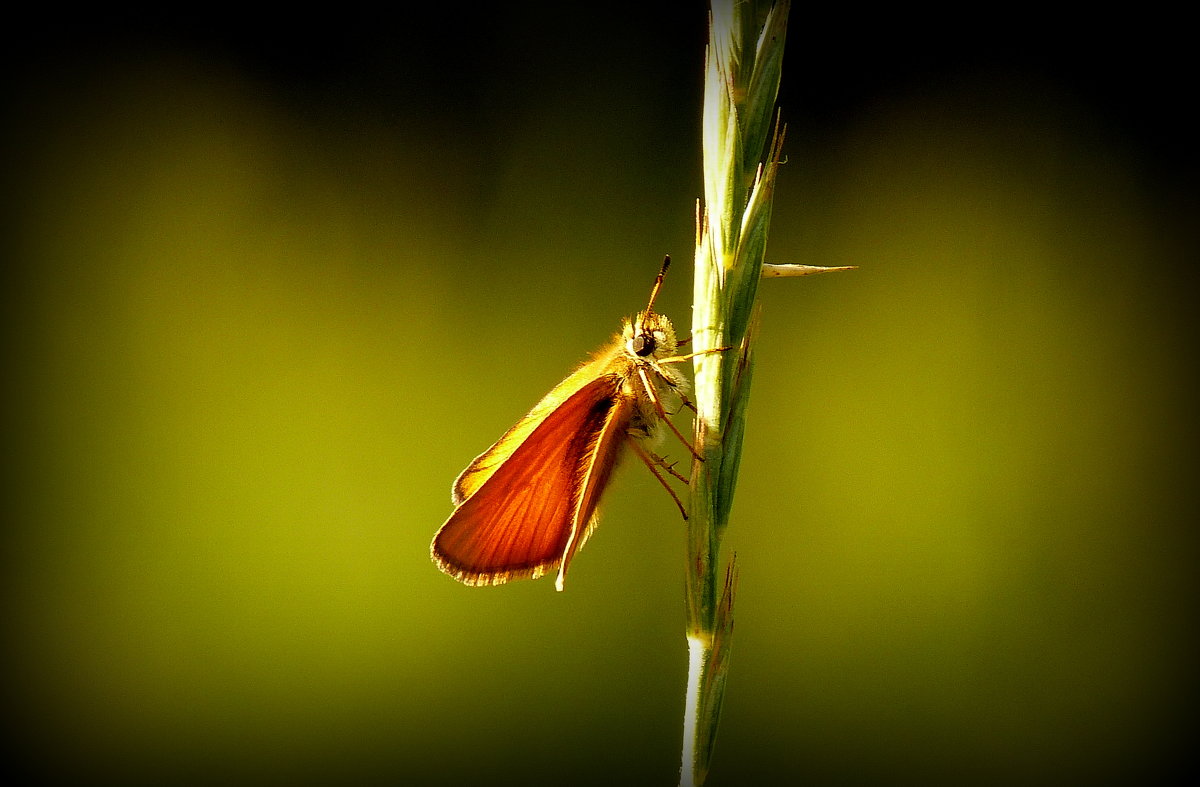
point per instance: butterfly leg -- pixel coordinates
(670, 468)
(650, 460)
(688, 356)
(680, 359)
(653, 395)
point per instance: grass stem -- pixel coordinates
(743, 63)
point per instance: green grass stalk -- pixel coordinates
(742, 71)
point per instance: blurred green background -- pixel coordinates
(271, 289)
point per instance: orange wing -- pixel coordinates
(532, 509)
(482, 467)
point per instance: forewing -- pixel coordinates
(484, 465)
(518, 521)
(596, 474)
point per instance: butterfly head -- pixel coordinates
(650, 336)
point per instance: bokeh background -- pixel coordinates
(270, 287)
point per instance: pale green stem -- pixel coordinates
(742, 70)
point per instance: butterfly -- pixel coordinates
(525, 506)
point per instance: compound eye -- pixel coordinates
(643, 344)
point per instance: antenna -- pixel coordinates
(658, 280)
